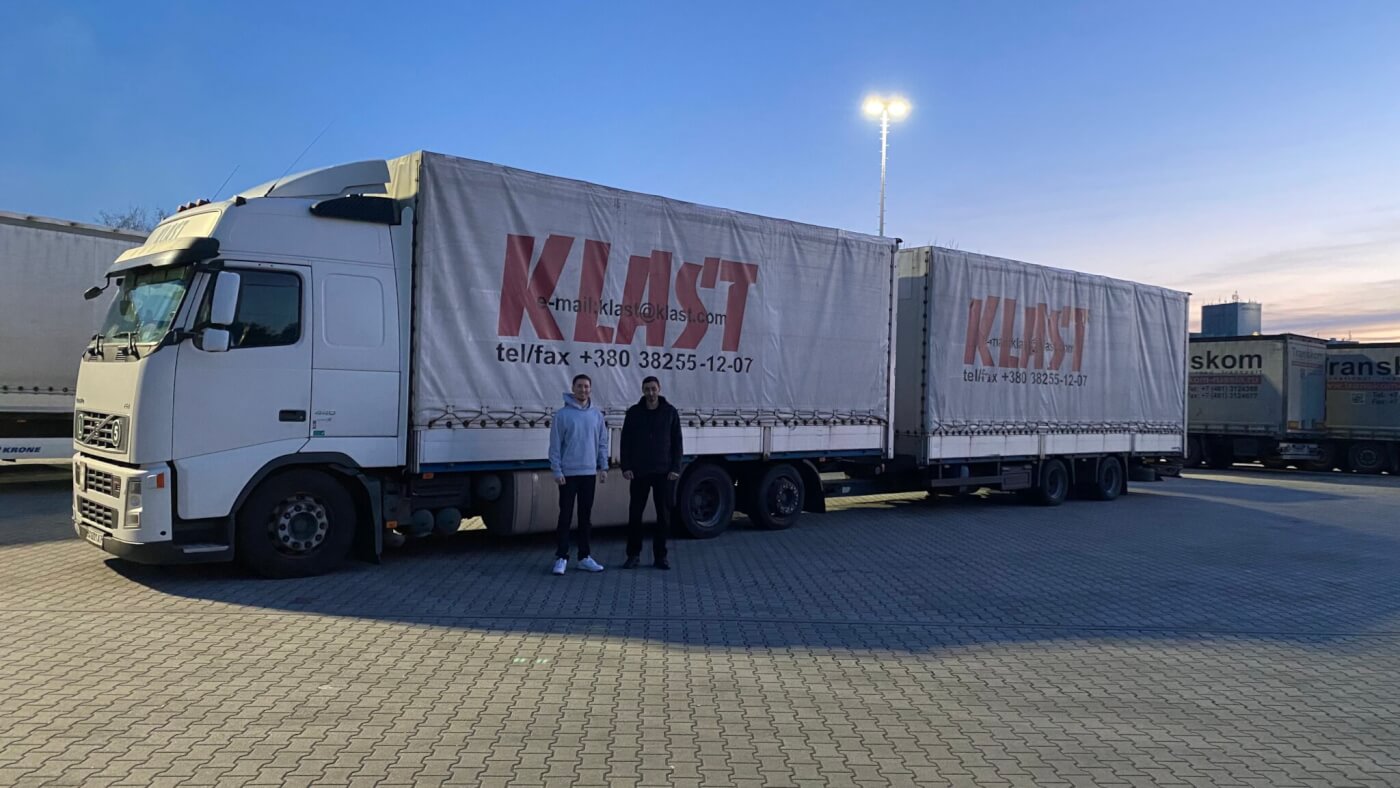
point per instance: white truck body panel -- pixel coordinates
(999, 358)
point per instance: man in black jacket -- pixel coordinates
(651, 461)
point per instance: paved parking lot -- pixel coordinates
(1237, 628)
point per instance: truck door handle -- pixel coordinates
(291, 415)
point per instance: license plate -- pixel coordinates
(92, 535)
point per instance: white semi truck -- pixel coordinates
(379, 346)
(44, 325)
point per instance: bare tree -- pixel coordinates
(133, 218)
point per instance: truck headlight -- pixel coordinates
(133, 493)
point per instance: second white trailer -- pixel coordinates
(1023, 377)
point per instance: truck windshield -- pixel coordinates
(146, 304)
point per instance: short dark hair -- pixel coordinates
(650, 379)
(579, 377)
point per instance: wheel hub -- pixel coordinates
(704, 503)
(783, 498)
(299, 524)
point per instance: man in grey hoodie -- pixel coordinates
(578, 458)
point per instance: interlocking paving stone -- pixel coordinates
(1237, 628)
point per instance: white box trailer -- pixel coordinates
(772, 338)
(44, 325)
(379, 347)
(1021, 376)
(1363, 406)
(1258, 398)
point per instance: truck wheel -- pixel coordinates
(1108, 480)
(705, 502)
(1194, 454)
(778, 498)
(1367, 457)
(1220, 455)
(1054, 483)
(296, 524)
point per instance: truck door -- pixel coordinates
(259, 391)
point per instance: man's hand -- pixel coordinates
(673, 476)
(602, 477)
(627, 475)
(559, 480)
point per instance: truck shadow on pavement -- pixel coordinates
(1169, 561)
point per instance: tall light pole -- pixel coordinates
(886, 108)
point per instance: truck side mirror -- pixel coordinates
(213, 340)
(223, 306)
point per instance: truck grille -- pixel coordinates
(101, 430)
(102, 482)
(94, 513)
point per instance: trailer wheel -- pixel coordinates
(1054, 483)
(705, 502)
(1219, 455)
(1194, 453)
(778, 498)
(296, 524)
(1367, 457)
(1108, 480)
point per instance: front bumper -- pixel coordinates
(129, 512)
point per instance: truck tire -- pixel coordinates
(778, 498)
(705, 502)
(1053, 486)
(1108, 480)
(1194, 453)
(1219, 455)
(1367, 457)
(296, 524)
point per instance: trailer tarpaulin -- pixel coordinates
(524, 280)
(1014, 347)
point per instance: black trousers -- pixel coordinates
(657, 486)
(580, 489)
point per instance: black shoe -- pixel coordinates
(630, 563)
(662, 563)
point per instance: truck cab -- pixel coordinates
(247, 339)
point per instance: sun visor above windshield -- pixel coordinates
(173, 252)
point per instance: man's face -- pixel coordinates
(582, 389)
(651, 390)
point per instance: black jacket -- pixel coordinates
(651, 439)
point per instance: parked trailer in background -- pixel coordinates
(46, 264)
(1258, 398)
(1363, 406)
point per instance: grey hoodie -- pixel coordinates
(578, 440)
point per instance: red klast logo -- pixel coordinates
(646, 295)
(1043, 329)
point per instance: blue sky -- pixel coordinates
(1215, 147)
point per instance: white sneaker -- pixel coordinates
(591, 565)
(560, 564)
